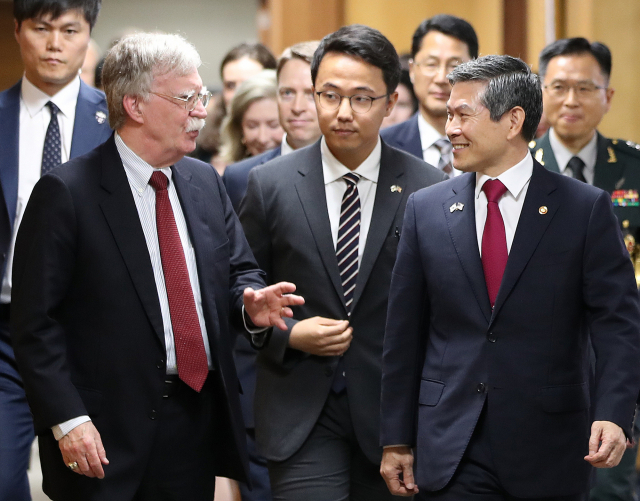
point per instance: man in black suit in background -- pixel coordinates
(130, 264)
(329, 216)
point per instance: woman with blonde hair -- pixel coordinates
(252, 126)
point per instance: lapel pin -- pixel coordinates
(459, 206)
(543, 209)
(395, 188)
(101, 116)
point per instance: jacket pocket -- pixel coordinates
(430, 392)
(565, 398)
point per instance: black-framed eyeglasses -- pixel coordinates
(582, 90)
(190, 101)
(359, 103)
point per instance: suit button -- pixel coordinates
(160, 364)
(152, 414)
(328, 371)
(491, 337)
(481, 388)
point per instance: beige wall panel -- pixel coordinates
(399, 19)
(535, 31)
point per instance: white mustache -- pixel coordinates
(195, 124)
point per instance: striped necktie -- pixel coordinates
(444, 147)
(349, 238)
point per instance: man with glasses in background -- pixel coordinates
(298, 118)
(575, 77)
(330, 216)
(439, 45)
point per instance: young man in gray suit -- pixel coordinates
(329, 217)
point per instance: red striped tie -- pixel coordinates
(190, 354)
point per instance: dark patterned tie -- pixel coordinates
(576, 166)
(347, 255)
(51, 153)
(190, 353)
(444, 147)
(494, 239)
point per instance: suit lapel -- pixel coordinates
(412, 141)
(9, 148)
(462, 228)
(385, 207)
(122, 216)
(531, 227)
(311, 191)
(87, 126)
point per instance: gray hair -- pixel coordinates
(260, 86)
(510, 83)
(133, 63)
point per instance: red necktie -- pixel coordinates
(190, 354)
(494, 240)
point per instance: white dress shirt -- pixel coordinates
(285, 149)
(138, 173)
(335, 186)
(588, 155)
(430, 152)
(516, 179)
(34, 121)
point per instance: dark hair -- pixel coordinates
(449, 25)
(510, 83)
(29, 9)
(363, 43)
(255, 51)
(576, 46)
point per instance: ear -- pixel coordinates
(411, 71)
(16, 30)
(133, 105)
(515, 117)
(391, 102)
(609, 96)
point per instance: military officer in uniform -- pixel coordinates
(576, 95)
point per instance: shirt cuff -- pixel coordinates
(257, 337)
(60, 430)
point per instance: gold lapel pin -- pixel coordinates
(543, 209)
(395, 188)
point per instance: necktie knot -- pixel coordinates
(444, 146)
(351, 179)
(53, 108)
(158, 181)
(494, 189)
(576, 166)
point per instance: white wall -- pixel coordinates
(213, 26)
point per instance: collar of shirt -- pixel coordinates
(65, 99)
(515, 178)
(588, 154)
(428, 135)
(285, 149)
(333, 170)
(138, 171)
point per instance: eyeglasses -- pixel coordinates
(359, 103)
(190, 101)
(582, 90)
(431, 67)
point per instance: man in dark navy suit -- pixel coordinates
(53, 37)
(505, 277)
(439, 45)
(298, 117)
(297, 113)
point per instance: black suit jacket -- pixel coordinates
(284, 214)
(87, 326)
(405, 136)
(447, 353)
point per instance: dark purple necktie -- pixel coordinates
(51, 152)
(190, 353)
(494, 239)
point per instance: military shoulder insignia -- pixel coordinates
(625, 198)
(612, 156)
(538, 156)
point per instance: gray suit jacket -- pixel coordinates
(285, 219)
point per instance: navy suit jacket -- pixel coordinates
(235, 179)
(86, 320)
(236, 176)
(447, 354)
(405, 136)
(88, 133)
